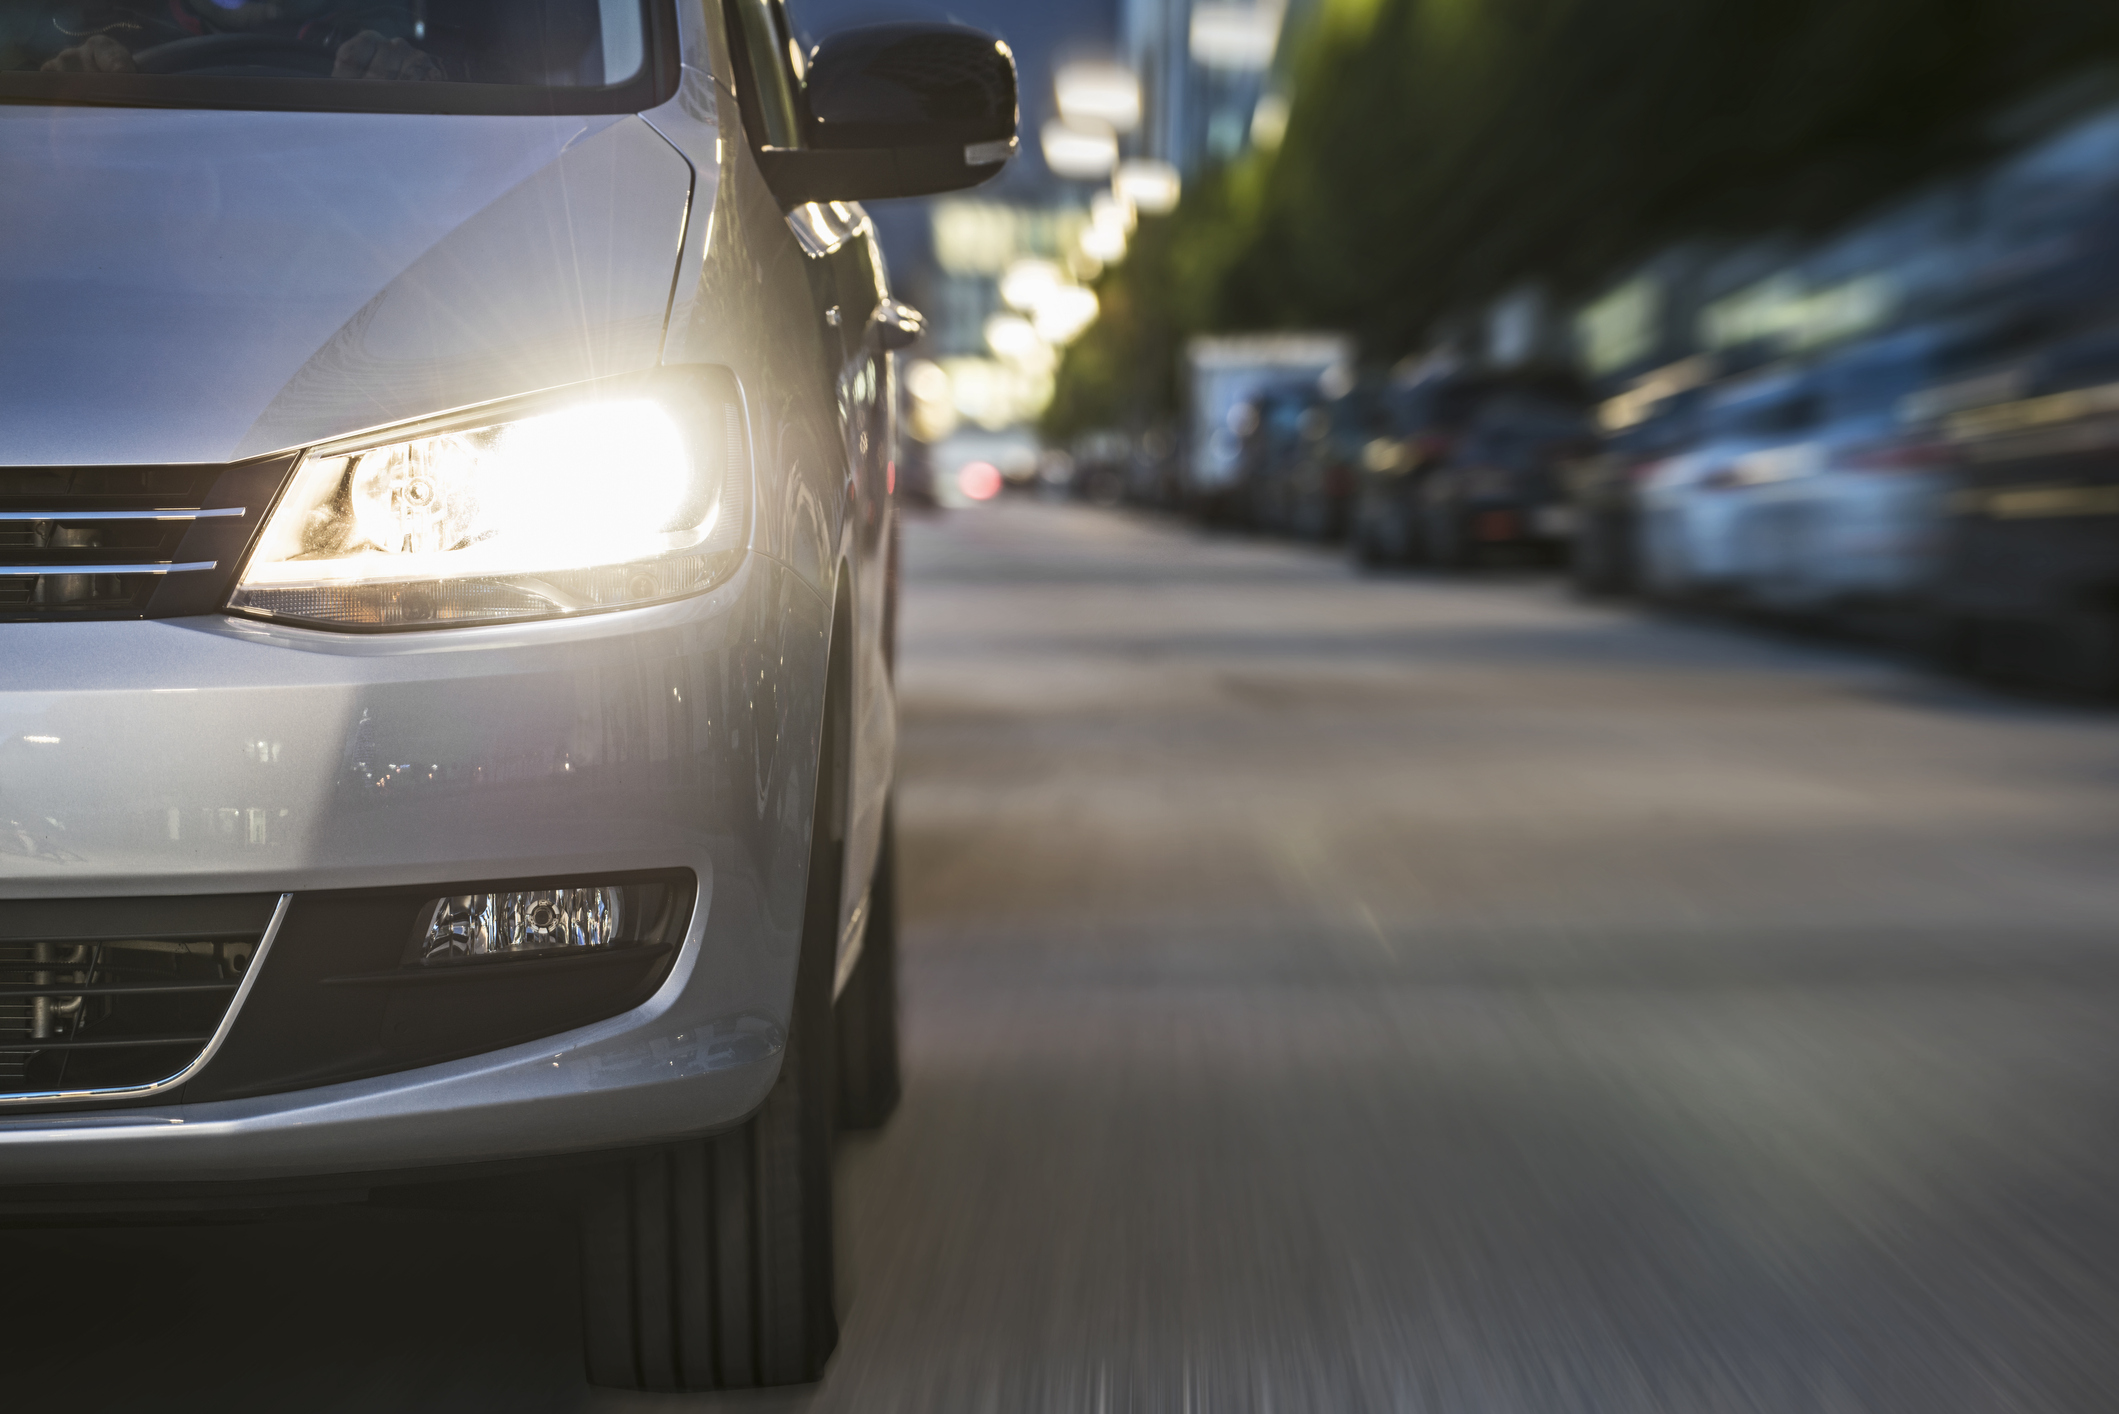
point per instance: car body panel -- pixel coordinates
(830, 457)
(211, 286)
(230, 756)
(1756, 432)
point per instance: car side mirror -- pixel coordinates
(899, 110)
(895, 325)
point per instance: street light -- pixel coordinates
(1026, 282)
(1148, 186)
(1064, 313)
(1108, 209)
(1104, 242)
(1080, 150)
(1013, 337)
(1238, 36)
(1098, 93)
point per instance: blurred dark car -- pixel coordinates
(1604, 490)
(1321, 497)
(1279, 420)
(1500, 489)
(2029, 587)
(1153, 473)
(1098, 468)
(1418, 423)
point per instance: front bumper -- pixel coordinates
(220, 756)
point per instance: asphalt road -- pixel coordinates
(1342, 994)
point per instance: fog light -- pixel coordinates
(526, 923)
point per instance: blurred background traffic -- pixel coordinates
(1810, 310)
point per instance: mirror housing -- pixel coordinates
(895, 325)
(899, 110)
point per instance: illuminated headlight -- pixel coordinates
(594, 502)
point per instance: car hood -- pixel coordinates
(182, 286)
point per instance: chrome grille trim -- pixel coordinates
(198, 1062)
(89, 567)
(88, 543)
(125, 515)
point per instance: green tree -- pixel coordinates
(1441, 151)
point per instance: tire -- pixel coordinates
(867, 1009)
(707, 1265)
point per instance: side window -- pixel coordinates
(765, 53)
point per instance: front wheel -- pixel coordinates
(707, 1265)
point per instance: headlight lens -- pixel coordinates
(597, 503)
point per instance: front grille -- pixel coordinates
(190, 1000)
(128, 542)
(93, 1001)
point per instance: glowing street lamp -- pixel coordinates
(1025, 283)
(1098, 93)
(1081, 150)
(1235, 36)
(1064, 313)
(1149, 186)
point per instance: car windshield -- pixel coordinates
(429, 55)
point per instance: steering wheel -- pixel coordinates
(237, 56)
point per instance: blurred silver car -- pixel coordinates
(445, 593)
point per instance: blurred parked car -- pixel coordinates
(1469, 462)
(1420, 421)
(2030, 581)
(1500, 488)
(1223, 375)
(1853, 519)
(1096, 472)
(1755, 430)
(1605, 491)
(1321, 495)
(1279, 420)
(1153, 469)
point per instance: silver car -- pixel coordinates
(446, 588)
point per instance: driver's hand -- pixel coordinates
(97, 54)
(369, 56)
